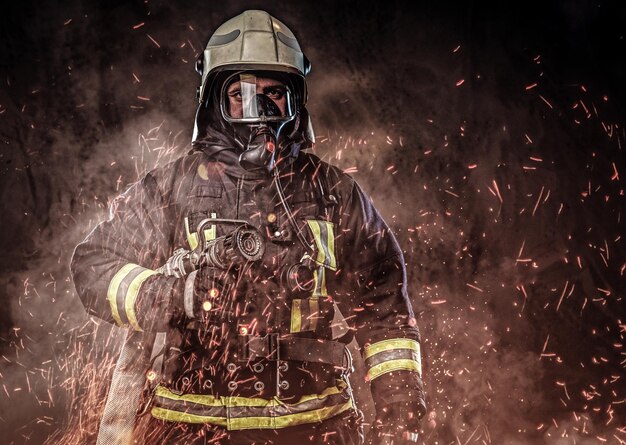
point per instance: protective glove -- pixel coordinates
(208, 296)
(178, 265)
(396, 424)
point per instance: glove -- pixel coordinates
(179, 265)
(208, 296)
(396, 424)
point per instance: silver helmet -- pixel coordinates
(253, 42)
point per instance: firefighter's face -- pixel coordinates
(273, 89)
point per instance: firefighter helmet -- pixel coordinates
(252, 41)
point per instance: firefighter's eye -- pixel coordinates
(275, 92)
(235, 94)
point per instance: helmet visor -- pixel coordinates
(252, 98)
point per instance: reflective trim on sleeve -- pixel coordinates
(123, 291)
(323, 233)
(131, 297)
(393, 365)
(397, 354)
(392, 343)
(394, 354)
(114, 287)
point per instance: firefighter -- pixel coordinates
(226, 268)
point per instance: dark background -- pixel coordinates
(490, 136)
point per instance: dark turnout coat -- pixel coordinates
(262, 356)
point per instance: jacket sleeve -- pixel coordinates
(113, 268)
(373, 298)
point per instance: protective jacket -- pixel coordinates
(263, 355)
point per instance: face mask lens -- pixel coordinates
(254, 98)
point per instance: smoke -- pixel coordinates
(495, 165)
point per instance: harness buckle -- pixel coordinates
(273, 346)
(251, 347)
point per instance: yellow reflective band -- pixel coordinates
(319, 278)
(192, 237)
(209, 233)
(317, 415)
(324, 236)
(131, 297)
(113, 288)
(315, 228)
(314, 312)
(245, 423)
(330, 243)
(235, 401)
(296, 316)
(388, 345)
(175, 416)
(394, 365)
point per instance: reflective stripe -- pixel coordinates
(393, 343)
(319, 242)
(175, 416)
(393, 365)
(324, 236)
(314, 313)
(209, 233)
(304, 314)
(131, 297)
(319, 278)
(296, 315)
(237, 413)
(123, 291)
(113, 288)
(328, 227)
(245, 423)
(237, 401)
(395, 354)
(192, 237)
